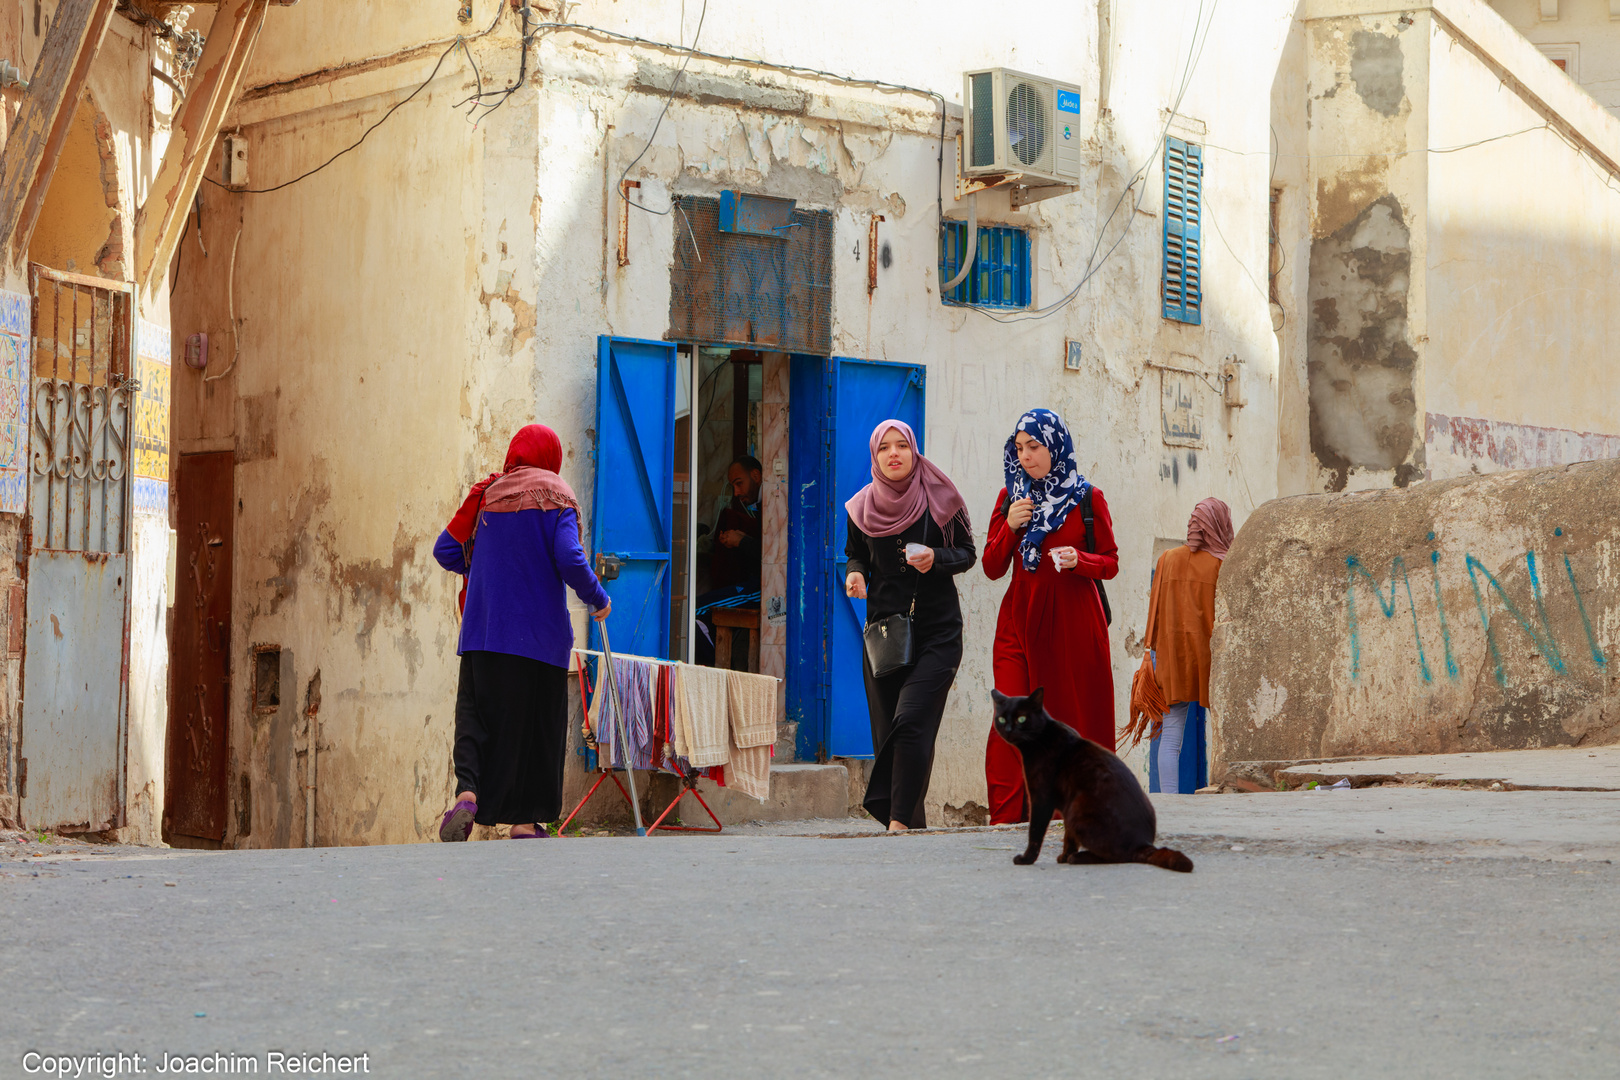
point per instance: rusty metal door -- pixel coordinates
(76, 662)
(200, 663)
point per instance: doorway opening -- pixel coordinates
(727, 480)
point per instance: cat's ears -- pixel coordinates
(997, 698)
(1036, 697)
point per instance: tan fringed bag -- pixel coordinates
(1147, 705)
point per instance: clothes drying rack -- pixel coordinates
(607, 771)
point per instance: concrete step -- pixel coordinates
(798, 791)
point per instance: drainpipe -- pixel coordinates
(312, 709)
(972, 246)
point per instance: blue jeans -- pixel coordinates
(1176, 759)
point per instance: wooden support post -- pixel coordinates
(213, 90)
(47, 114)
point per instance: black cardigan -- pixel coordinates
(891, 581)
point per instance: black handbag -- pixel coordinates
(1091, 549)
(889, 642)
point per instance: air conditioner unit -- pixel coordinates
(1018, 124)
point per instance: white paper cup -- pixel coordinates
(914, 551)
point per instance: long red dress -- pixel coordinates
(1051, 633)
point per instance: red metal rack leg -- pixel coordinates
(688, 828)
(581, 804)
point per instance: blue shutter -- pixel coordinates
(1001, 272)
(1181, 285)
(632, 513)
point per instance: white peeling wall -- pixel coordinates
(412, 305)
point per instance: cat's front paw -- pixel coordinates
(1024, 859)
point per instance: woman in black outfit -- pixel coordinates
(908, 535)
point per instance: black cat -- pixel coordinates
(1105, 810)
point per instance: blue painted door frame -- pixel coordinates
(633, 498)
(836, 402)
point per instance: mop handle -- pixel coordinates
(618, 716)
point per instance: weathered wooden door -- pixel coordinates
(200, 663)
(76, 663)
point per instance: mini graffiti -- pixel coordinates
(1535, 624)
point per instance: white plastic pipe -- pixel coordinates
(972, 246)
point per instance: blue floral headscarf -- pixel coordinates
(1054, 494)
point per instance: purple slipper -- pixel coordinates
(458, 822)
(538, 834)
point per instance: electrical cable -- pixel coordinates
(230, 300)
(674, 84)
(384, 118)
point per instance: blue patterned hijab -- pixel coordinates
(1054, 494)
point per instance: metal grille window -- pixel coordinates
(1182, 286)
(734, 289)
(1001, 269)
(83, 413)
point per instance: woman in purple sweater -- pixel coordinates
(512, 701)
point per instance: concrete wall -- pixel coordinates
(1479, 613)
(407, 308)
(1582, 33)
(1524, 234)
(1435, 147)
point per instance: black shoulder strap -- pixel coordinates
(1085, 512)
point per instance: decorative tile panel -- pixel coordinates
(15, 344)
(152, 356)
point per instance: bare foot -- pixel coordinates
(519, 831)
(465, 796)
(895, 826)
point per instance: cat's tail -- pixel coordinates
(1165, 858)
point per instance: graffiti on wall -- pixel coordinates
(1528, 614)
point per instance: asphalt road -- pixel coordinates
(1338, 952)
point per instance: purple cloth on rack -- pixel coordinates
(634, 678)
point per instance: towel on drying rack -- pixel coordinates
(634, 679)
(752, 708)
(749, 771)
(702, 716)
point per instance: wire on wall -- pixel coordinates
(1195, 52)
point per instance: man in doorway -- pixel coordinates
(734, 557)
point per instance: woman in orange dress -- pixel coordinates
(1181, 619)
(1051, 631)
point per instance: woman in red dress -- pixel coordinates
(1051, 631)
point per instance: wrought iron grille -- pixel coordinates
(83, 413)
(763, 292)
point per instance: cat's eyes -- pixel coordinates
(1021, 719)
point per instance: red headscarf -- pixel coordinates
(1210, 528)
(888, 507)
(529, 480)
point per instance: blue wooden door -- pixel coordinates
(865, 393)
(632, 513)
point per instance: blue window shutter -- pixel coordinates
(1000, 276)
(1182, 281)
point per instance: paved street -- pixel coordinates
(1374, 932)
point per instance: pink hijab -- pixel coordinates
(1210, 528)
(888, 507)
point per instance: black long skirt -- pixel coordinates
(511, 737)
(906, 707)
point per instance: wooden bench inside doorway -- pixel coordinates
(728, 620)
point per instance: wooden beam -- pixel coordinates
(47, 114)
(191, 142)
